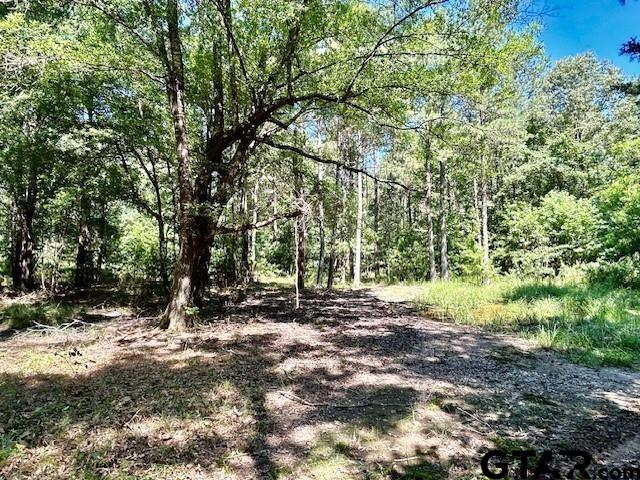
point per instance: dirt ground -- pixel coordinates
(348, 387)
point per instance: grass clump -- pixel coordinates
(594, 324)
(23, 315)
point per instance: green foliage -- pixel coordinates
(623, 273)
(562, 230)
(619, 204)
(137, 256)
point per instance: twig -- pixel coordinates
(408, 459)
(42, 328)
(462, 410)
(301, 400)
(58, 328)
(128, 423)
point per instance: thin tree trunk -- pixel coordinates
(376, 228)
(477, 213)
(162, 238)
(83, 274)
(244, 216)
(432, 274)
(300, 231)
(321, 233)
(102, 246)
(274, 207)
(485, 230)
(334, 233)
(358, 243)
(344, 264)
(253, 267)
(296, 246)
(444, 260)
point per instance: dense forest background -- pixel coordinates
(191, 145)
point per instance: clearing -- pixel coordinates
(349, 387)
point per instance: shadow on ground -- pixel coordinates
(348, 387)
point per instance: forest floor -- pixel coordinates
(348, 387)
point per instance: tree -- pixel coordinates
(244, 109)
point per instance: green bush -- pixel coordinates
(138, 256)
(562, 230)
(624, 272)
(619, 204)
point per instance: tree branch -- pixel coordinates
(383, 39)
(257, 225)
(327, 161)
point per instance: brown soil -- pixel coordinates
(348, 387)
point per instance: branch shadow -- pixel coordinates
(271, 392)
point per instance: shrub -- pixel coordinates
(624, 272)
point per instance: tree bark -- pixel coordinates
(477, 212)
(432, 274)
(253, 267)
(321, 233)
(485, 229)
(83, 274)
(444, 259)
(176, 316)
(358, 243)
(376, 228)
(300, 230)
(245, 265)
(24, 257)
(334, 233)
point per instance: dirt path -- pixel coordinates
(349, 387)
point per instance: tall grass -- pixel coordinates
(595, 324)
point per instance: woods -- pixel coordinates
(174, 111)
(177, 165)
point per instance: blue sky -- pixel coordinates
(601, 26)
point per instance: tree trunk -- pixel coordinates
(485, 229)
(24, 258)
(444, 260)
(334, 233)
(300, 231)
(376, 227)
(432, 274)
(163, 254)
(296, 246)
(477, 213)
(358, 245)
(321, 234)
(344, 263)
(253, 267)
(245, 266)
(83, 274)
(274, 208)
(176, 316)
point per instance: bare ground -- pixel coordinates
(348, 387)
